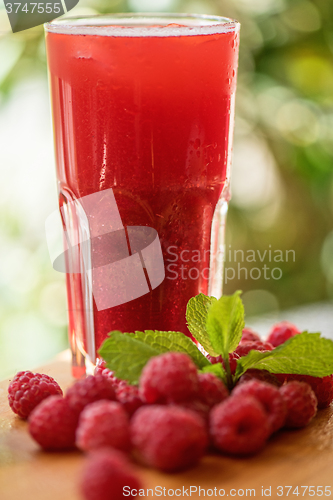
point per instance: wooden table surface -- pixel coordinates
(293, 458)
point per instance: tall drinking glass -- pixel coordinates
(143, 109)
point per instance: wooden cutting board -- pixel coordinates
(291, 459)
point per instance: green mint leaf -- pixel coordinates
(225, 322)
(173, 341)
(304, 354)
(126, 356)
(127, 353)
(196, 317)
(218, 370)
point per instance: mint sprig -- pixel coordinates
(217, 326)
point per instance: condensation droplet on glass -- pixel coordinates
(197, 143)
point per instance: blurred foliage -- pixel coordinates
(283, 152)
(285, 101)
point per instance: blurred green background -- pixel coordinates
(282, 181)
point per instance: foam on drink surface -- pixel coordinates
(135, 27)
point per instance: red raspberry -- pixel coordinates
(101, 369)
(28, 389)
(129, 397)
(89, 390)
(168, 437)
(233, 357)
(239, 425)
(169, 377)
(301, 403)
(244, 348)
(196, 405)
(262, 375)
(284, 377)
(103, 423)
(270, 398)
(214, 359)
(121, 384)
(53, 423)
(281, 332)
(322, 387)
(211, 389)
(232, 361)
(249, 335)
(107, 475)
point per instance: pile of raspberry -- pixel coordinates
(172, 418)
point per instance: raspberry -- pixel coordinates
(196, 405)
(270, 398)
(107, 475)
(281, 332)
(101, 369)
(322, 387)
(169, 377)
(211, 389)
(103, 423)
(121, 384)
(301, 403)
(284, 377)
(129, 397)
(214, 359)
(239, 425)
(28, 389)
(249, 335)
(168, 437)
(244, 348)
(262, 375)
(53, 423)
(232, 361)
(92, 388)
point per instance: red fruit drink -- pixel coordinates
(146, 108)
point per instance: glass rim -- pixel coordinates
(140, 24)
